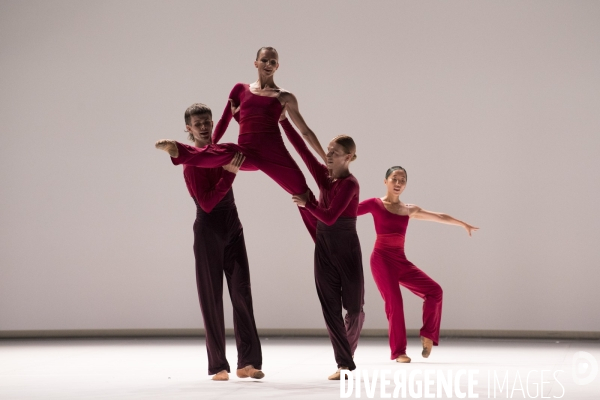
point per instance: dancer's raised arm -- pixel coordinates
(417, 212)
(317, 170)
(223, 123)
(291, 104)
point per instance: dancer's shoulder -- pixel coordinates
(368, 206)
(238, 88)
(373, 201)
(351, 182)
(412, 209)
(285, 95)
(353, 179)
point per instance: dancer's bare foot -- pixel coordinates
(221, 376)
(250, 372)
(403, 358)
(336, 375)
(169, 146)
(427, 346)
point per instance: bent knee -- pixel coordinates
(437, 292)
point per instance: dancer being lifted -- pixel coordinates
(219, 249)
(390, 267)
(259, 105)
(338, 259)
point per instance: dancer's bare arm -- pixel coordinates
(291, 105)
(417, 212)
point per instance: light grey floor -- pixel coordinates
(295, 368)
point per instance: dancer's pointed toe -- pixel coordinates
(427, 346)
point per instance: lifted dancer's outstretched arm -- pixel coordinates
(291, 105)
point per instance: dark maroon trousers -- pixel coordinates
(219, 249)
(340, 284)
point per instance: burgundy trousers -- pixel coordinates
(220, 250)
(391, 270)
(340, 284)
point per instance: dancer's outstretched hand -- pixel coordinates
(470, 228)
(235, 163)
(300, 199)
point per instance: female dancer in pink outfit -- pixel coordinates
(390, 267)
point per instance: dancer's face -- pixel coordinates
(267, 63)
(396, 182)
(337, 157)
(201, 128)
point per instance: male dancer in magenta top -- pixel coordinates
(219, 248)
(260, 105)
(390, 266)
(338, 259)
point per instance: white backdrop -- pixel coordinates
(492, 107)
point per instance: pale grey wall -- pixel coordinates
(491, 106)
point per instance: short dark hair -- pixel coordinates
(347, 143)
(195, 109)
(266, 48)
(395, 168)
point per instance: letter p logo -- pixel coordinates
(585, 368)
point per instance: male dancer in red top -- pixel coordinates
(219, 248)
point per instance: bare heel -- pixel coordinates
(169, 146)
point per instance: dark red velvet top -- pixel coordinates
(337, 198)
(209, 187)
(257, 114)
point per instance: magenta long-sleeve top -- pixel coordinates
(209, 187)
(338, 197)
(257, 114)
